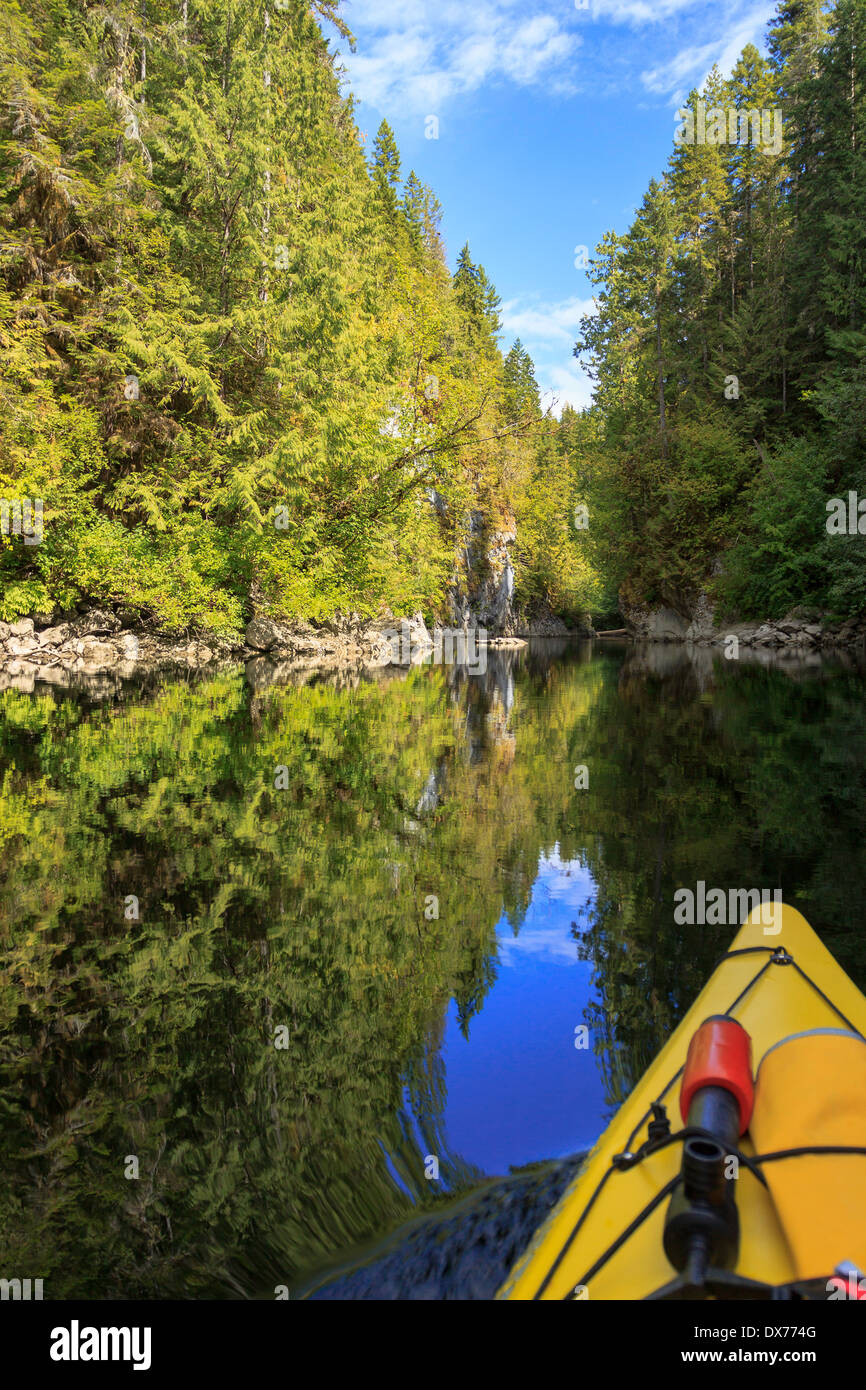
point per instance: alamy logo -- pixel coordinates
(847, 518)
(730, 127)
(76, 1343)
(715, 907)
(22, 1289)
(465, 646)
(21, 517)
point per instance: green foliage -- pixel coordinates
(520, 389)
(783, 556)
(729, 347)
(232, 361)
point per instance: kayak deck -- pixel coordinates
(773, 1001)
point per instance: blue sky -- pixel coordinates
(551, 122)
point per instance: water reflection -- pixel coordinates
(281, 938)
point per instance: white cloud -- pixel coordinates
(669, 76)
(568, 384)
(414, 56)
(564, 880)
(538, 44)
(691, 66)
(544, 324)
(417, 56)
(545, 943)
(638, 12)
(549, 331)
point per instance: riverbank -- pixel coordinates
(99, 649)
(100, 643)
(800, 630)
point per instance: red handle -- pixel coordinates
(720, 1054)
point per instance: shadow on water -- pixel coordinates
(267, 952)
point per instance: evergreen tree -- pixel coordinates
(386, 169)
(828, 256)
(414, 204)
(520, 388)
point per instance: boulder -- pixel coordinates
(263, 634)
(23, 628)
(702, 627)
(666, 625)
(96, 622)
(418, 631)
(803, 612)
(405, 643)
(54, 636)
(22, 646)
(97, 655)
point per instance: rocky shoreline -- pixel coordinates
(99, 643)
(99, 646)
(801, 630)
(93, 643)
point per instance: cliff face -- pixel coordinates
(802, 628)
(483, 586)
(482, 593)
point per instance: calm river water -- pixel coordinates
(281, 966)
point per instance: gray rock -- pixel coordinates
(666, 625)
(399, 642)
(22, 646)
(702, 627)
(23, 628)
(418, 631)
(97, 655)
(308, 644)
(54, 636)
(96, 622)
(263, 634)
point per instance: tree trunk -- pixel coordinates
(661, 380)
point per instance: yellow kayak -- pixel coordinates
(800, 1208)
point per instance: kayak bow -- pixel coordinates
(801, 1216)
